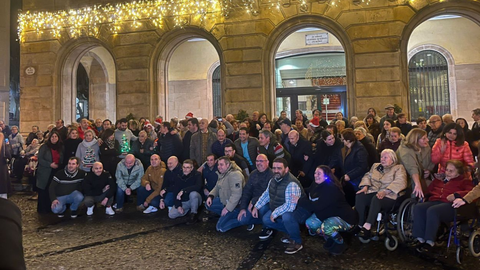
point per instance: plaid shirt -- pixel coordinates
(289, 205)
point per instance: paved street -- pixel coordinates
(133, 240)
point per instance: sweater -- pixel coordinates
(64, 183)
(88, 153)
(327, 200)
(93, 184)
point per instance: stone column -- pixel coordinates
(4, 59)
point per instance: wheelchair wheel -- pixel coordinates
(405, 220)
(474, 243)
(364, 241)
(392, 244)
(459, 254)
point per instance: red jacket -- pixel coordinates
(439, 191)
(81, 134)
(462, 153)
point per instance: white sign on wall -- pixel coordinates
(326, 101)
(316, 39)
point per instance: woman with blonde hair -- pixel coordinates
(415, 154)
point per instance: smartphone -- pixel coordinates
(6, 140)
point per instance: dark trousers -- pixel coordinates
(374, 205)
(428, 216)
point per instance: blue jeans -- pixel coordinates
(143, 193)
(230, 221)
(289, 222)
(74, 199)
(216, 206)
(168, 199)
(120, 198)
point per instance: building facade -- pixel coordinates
(147, 67)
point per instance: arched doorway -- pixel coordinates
(182, 75)
(306, 37)
(90, 66)
(451, 30)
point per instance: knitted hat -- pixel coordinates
(315, 122)
(189, 115)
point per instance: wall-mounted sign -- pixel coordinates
(326, 101)
(316, 39)
(30, 71)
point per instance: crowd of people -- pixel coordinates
(334, 178)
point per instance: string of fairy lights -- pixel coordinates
(90, 21)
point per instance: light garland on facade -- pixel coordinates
(89, 21)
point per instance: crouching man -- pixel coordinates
(225, 196)
(65, 188)
(99, 187)
(187, 189)
(152, 182)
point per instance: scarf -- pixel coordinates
(111, 143)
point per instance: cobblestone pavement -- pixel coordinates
(133, 240)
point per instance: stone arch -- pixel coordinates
(282, 31)
(102, 69)
(466, 9)
(452, 85)
(160, 59)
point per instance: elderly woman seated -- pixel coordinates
(438, 208)
(379, 189)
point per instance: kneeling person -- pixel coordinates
(187, 188)
(225, 196)
(65, 188)
(99, 187)
(152, 182)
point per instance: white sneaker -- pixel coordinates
(90, 210)
(109, 211)
(150, 209)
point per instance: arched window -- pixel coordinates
(428, 79)
(217, 92)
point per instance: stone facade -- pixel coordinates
(374, 38)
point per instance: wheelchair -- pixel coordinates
(387, 225)
(463, 232)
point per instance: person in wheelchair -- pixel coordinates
(438, 208)
(379, 189)
(469, 198)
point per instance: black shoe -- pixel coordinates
(366, 235)
(355, 230)
(73, 214)
(425, 248)
(250, 227)
(337, 249)
(293, 248)
(329, 244)
(193, 219)
(265, 234)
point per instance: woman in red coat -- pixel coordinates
(451, 145)
(438, 208)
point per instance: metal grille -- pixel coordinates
(428, 80)
(217, 92)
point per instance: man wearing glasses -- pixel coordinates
(437, 125)
(186, 189)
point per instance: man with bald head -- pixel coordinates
(257, 183)
(174, 169)
(98, 187)
(201, 143)
(129, 176)
(300, 152)
(437, 125)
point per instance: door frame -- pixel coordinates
(294, 92)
